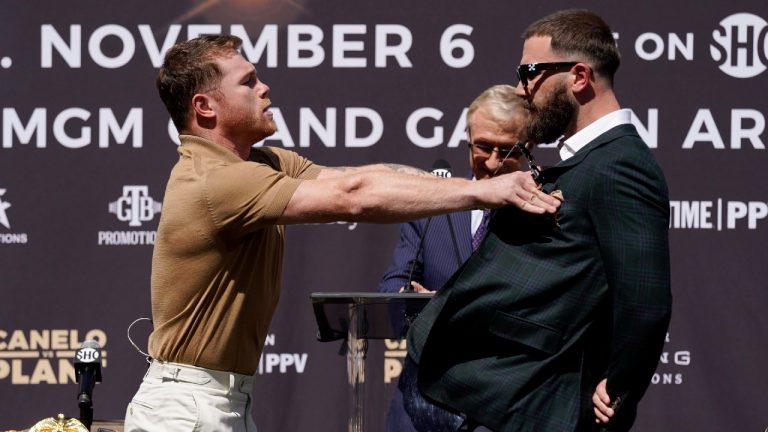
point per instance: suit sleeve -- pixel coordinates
(630, 210)
(396, 276)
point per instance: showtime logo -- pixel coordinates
(717, 215)
(741, 45)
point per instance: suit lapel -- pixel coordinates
(550, 174)
(462, 222)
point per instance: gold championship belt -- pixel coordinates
(59, 424)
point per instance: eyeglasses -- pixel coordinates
(505, 152)
(535, 171)
(526, 72)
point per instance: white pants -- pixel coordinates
(175, 397)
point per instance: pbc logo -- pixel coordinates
(135, 206)
(741, 45)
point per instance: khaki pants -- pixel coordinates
(175, 397)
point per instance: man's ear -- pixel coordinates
(581, 77)
(204, 105)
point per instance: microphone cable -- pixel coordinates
(136, 347)
(442, 169)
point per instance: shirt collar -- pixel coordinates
(195, 144)
(585, 136)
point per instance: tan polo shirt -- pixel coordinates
(217, 262)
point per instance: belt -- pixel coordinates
(222, 380)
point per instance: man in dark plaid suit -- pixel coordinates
(556, 324)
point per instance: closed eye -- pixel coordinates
(250, 80)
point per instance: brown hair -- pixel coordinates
(189, 68)
(580, 33)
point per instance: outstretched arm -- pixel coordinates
(332, 172)
(396, 193)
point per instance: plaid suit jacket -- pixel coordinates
(522, 333)
(447, 244)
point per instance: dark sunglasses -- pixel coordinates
(526, 72)
(504, 152)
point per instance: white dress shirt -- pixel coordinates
(585, 136)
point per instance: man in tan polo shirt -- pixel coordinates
(216, 268)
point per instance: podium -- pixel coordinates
(357, 317)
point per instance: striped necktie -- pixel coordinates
(482, 229)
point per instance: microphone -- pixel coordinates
(441, 168)
(87, 373)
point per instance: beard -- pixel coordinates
(550, 119)
(247, 127)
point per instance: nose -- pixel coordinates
(520, 90)
(493, 161)
(263, 88)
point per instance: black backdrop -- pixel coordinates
(86, 151)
